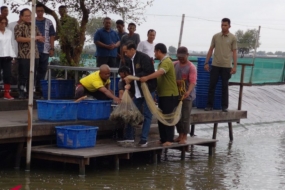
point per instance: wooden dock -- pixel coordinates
(13, 129)
(111, 148)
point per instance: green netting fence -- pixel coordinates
(265, 70)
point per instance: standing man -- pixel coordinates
(107, 41)
(46, 49)
(166, 89)
(140, 66)
(130, 37)
(186, 77)
(225, 45)
(68, 33)
(23, 37)
(147, 46)
(4, 11)
(120, 24)
(15, 64)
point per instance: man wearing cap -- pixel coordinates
(225, 45)
(186, 77)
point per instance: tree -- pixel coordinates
(261, 53)
(270, 53)
(278, 52)
(82, 9)
(94, 24)
(246, 41)
(172, 49)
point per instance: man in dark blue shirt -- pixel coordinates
(107, 41)
(46, 49)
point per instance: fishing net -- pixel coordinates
(126, 112)
(167, 119)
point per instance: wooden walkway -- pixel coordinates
(112, 148)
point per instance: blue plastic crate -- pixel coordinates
(202, 99)
(114, 83)
(94, 109)
(60, 89)
(57, 110)
(76, 136)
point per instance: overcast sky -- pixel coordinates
(202, 21)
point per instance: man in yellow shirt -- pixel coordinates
(97, 84)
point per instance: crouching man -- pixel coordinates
(97, 84)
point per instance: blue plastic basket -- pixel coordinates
(77, 136)
(94, 110)
(57, 110)
(202, 99)
(114, 83)
(60, 89)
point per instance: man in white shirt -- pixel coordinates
(14, 67)
(147, 46)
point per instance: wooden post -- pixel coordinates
(81, 167)
(192, 132)
(241, 87)
(215, 130)
(19, 155)
(211, 146)
(231, 131)
(154, 157)
(117, 162)
(183, 152)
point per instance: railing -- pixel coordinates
(76, 69)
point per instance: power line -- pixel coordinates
(210, 20)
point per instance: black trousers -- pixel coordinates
(111, 61)
(225, 74)
(5, 66)
(41, 69)
(24, 73)
(167, 105)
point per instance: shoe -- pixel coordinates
(143, 143)
(126, 141)
(22, 95)
(7, 95)
(224, 110)
(208, 109)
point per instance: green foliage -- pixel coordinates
(172, 50)
(246, 41)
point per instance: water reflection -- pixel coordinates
(255, 160)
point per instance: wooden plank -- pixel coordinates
(110, 149)
(65, 159)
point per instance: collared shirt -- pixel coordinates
(11, 27)
(6, 47)
(166, 84)
(224, 46)
(24, 30)
(137, 90)
(93, 82)
(147, 48)
(108, 38)
(46, 28)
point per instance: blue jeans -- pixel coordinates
(129, 132)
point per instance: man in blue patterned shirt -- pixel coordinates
(46, 49)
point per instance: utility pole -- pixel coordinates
(254, 54)
(181, 30)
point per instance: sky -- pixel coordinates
(203, 20)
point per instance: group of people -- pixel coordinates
(171, 81)
(15, 47)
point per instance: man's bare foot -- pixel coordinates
(182, 141)
(179, 138)
(167, 144)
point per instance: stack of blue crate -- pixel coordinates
(202, 87)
